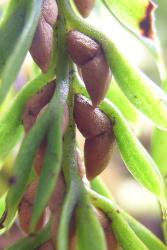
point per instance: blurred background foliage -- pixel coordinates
(127, 192)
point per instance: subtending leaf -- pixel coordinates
(32, 242)
(11, 121)
(120, 100)
(16, 34)
(53, 158)
(50, 172)
(98, 185)
(137, 15)
(89, 231)
(3, 216)
(148, 238)
(126, 237)
(136, 158)
(4, 184)
(159, 150)
(23, 165)
(67, 211)
(145, 235)
(140, 90)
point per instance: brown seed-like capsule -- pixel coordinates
(81, 47)
(47, 246)
(41, 48)
(96, 75)
(35, 104)
(95, 71)
(97, 153)
(91, 122)
(26, 207)
(85, 6)
(50, 11)
(98, 130)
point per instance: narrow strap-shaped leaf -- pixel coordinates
(4, 183)
(136, 158)
(23, 165)
(16, 34)
(53, 158)
(139, 89)
(159, 150)
(90, 234)
(149, 239)
(68, 208)
(126, 237)
(121, 101)
(3, 229)
(2, 209)
(11, 120)
(98, 186)
(50, 170)
(32, 242)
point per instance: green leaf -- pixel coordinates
(3, 215)
(121, 101)
(136, 158)
(139, 89)
(148, 238)
(23, 165)
(32, 242)
(90, 234)
(11, 121)
(67, 211)
(145, 235)
(16, 33)
(4, 184)
(50, 172)
(137, 16)
(53, 157)
(98, 185)
(159, 150)
(126, 237)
